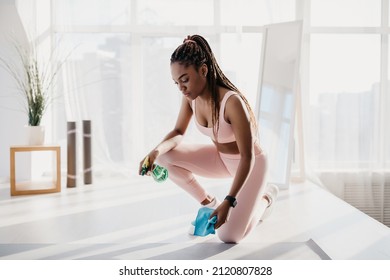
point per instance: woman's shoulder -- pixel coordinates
(233, 101)
(187, 102)
(226, 94)
(231, 97)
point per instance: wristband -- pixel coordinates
(232, 200)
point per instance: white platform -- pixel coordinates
(139, 219)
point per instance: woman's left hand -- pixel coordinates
(222, 213)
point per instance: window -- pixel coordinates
(345, 89)
(344, 79)
(256, 12)
(345, 13)
(175, 12)
(91, 12)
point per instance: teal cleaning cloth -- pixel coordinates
(203, 224)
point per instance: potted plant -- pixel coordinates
(34, 80)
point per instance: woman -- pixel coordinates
(221, 112)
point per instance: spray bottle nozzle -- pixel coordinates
(145, 166)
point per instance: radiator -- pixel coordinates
(368, 192)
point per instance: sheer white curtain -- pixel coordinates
(346, 102)
(96, 87)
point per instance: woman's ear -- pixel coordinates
(204, 70)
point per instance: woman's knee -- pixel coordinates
(165, 159)
(235, 230)
(230, 236)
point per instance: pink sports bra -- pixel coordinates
(225, 132)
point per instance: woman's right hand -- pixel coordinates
(152, 156)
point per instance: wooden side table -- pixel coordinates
(35, 187)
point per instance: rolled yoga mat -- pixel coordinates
(71, 176)
(87, 155)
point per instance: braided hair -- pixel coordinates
(196, 51)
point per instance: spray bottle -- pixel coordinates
(159, 173)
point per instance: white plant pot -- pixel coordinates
(35, 135)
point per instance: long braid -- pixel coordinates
(196, 51)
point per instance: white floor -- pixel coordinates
(139, 219)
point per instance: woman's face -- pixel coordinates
(191, 82)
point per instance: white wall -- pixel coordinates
(12, 116)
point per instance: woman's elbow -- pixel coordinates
(248, 157)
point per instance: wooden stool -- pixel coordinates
(31, 187)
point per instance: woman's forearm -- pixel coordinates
(244, 169)
(170, 141)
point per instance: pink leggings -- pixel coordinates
(204, 160)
